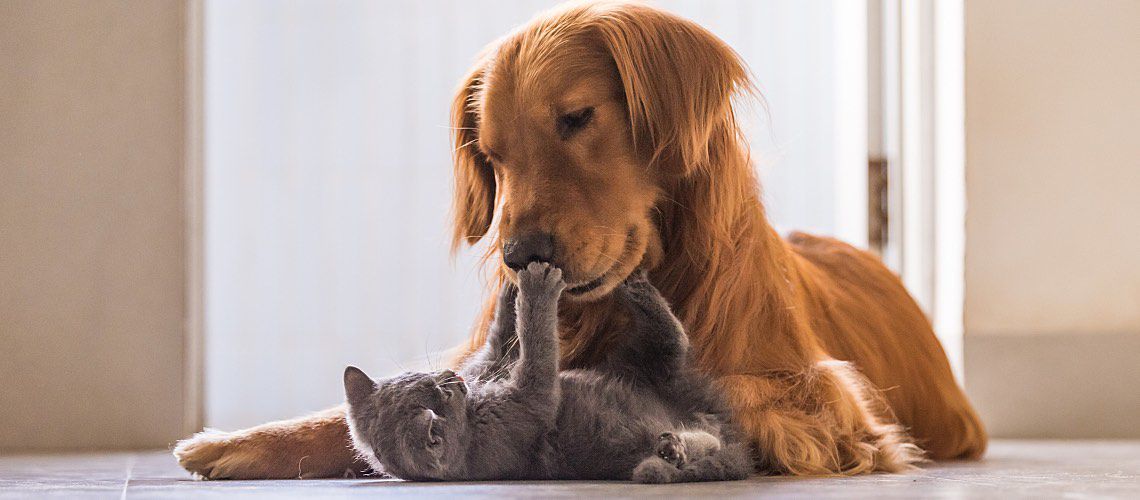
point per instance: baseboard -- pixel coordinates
(1056, 386)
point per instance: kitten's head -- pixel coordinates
(411, 426)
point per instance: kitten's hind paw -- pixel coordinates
(671, 449)
(655, 470)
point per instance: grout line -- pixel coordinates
(130, 470)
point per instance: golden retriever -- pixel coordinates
(601, 137)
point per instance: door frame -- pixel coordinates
(192, 182)
(916, 145)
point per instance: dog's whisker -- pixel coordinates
(468, 143)
(614, 260)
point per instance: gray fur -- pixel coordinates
(643, 414)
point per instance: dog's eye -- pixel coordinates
(570, 123)
(493, 156)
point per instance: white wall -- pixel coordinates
(328, 177)
(328, 185)
(1053, 167)
(92, 260)
(1053, 218)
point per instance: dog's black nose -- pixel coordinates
(518, 252)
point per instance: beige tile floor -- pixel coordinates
(1012, 469)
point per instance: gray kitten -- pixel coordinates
(509, 413)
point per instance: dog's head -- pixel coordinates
(570, 132)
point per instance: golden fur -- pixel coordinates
(828, 362)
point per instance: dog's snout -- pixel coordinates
(518, 252)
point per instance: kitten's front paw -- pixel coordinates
(637, 289)
(508, 292)
(638, 278)
(671, 449)
(540, 279)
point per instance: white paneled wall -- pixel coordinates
(328, 177)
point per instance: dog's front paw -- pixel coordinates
(266, 454)
(216, 455)
(671, 449)
(540, 280)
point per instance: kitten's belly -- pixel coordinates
(606, 427)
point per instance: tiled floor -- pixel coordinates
(1031, 469)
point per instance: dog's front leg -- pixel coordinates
(314, 446)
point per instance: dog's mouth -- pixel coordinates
(588, 286)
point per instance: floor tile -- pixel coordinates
(1012, 469)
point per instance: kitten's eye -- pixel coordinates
(570, 123)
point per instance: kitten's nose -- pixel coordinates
(530, 247)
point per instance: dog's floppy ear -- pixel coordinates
(473, 205)
(679, 80)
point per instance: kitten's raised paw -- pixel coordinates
(638, 278)
(671, 449)
(508, 292)
(637, 289)
(540, 278)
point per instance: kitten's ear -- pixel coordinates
(358, 386)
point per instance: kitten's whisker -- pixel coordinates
(399, 365)
(427, 355)
(503, 367)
